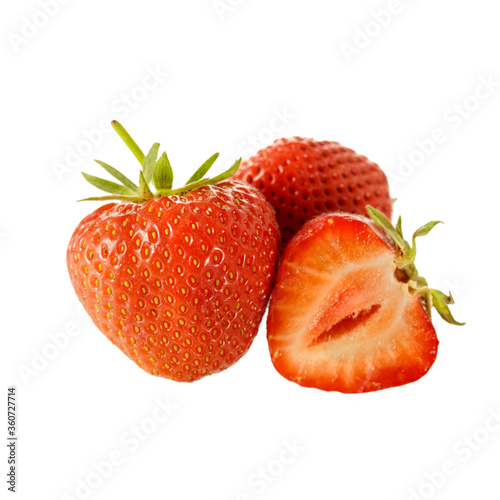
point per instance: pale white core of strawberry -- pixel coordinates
(345, 312)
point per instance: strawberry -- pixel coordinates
(302, 178)
(178, 280)
(349, 311)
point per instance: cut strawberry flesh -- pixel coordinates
(347, 325)
(340, 319)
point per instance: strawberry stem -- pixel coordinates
(155, 170)
(406, 262)
(127, 139)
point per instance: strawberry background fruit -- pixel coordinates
(349, 312)
(302, 178)
(178, 282)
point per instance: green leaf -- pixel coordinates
(163, 176)
(129, 142)
(118, 175)
(128, 199)
(184, 189)
(105, 185)
(421, 231)
(383, 222)
(201, 183)
(440, 301)
(144, 190)
(399, 226)
(228, 173)
(150, 162)
(426, 228)
(200, 173)
(416, 283)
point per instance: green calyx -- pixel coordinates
(156, 175)
(405, 264)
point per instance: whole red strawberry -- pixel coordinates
(349, 311)
(302, 178)
(178, 280)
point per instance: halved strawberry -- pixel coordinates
(349, 312)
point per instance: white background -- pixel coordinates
(230, 71)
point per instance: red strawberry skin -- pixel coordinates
(339, 319)
(178, 283)
(302, 178)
